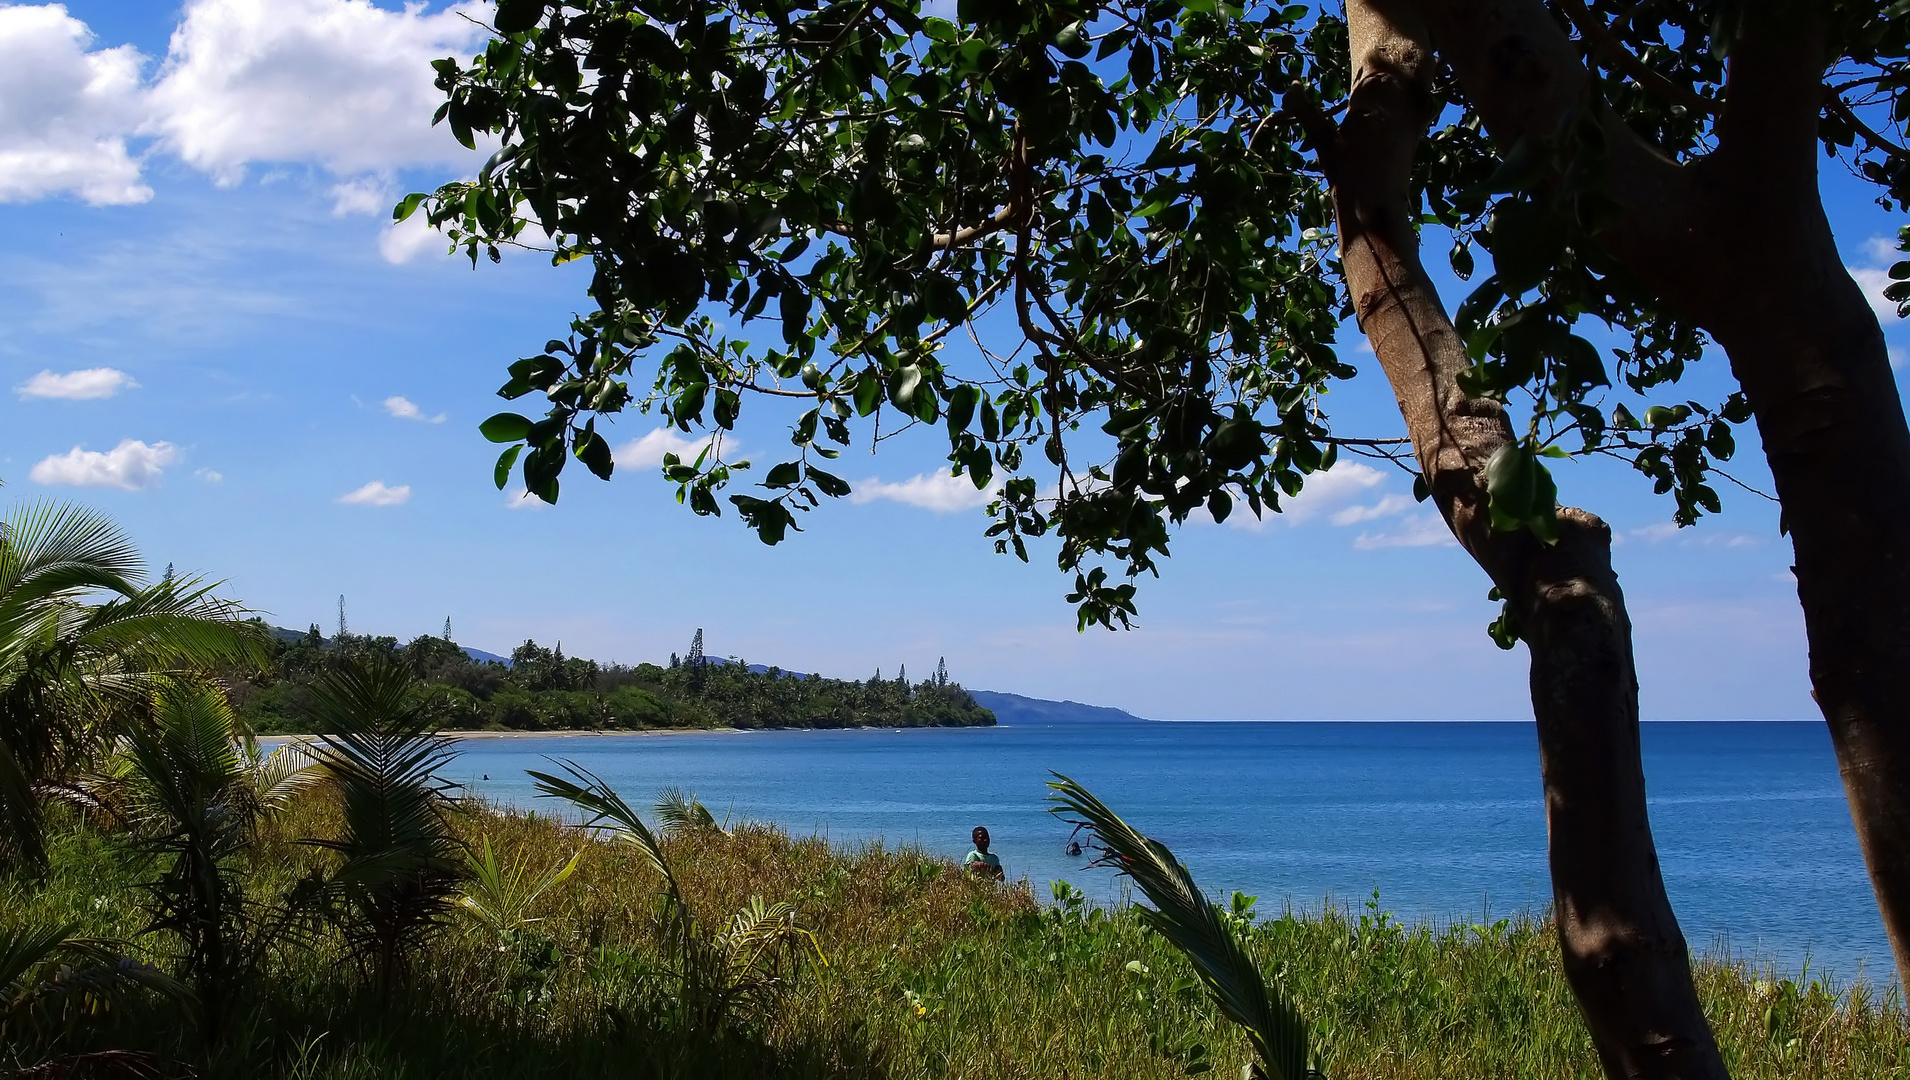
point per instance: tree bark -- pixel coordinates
(1624, 955)
(1739, 243)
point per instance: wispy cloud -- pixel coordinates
(377, 493)
(938, 492)
(85, 384)
(1661, 532)
(403, 409)
(1422, 529)
(520, 499)
(130, 466)
(210, 476)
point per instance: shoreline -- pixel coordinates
(566, 733)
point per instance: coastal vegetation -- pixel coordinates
(541, 689)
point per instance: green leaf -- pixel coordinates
(833, 486)
(517, 16)
(595, 453)
(505, 427)
(407, 206)
(786, 474)
(502, 474)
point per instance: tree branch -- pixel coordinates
(1834, 103)
(1620, 59)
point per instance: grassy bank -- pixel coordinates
(929, 974)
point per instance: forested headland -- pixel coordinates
(541, 689)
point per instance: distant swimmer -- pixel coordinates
(487, 776)
(981, 862)
(1074, 848)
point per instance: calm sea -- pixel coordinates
(1444, 820)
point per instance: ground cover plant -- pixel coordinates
(928, 973)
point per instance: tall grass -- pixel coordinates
(931, 973)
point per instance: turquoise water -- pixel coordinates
(1445, 820)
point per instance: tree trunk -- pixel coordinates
(1738, 242)
(1623, 953)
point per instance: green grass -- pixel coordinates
(930, 974)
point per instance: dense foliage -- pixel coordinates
(544, 690)
(930, 974)
(1123, 205)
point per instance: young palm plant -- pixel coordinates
(397, 883)
(736, 971)
(1200, 930)
(193, 788)
(71, 671)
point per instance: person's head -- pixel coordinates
(981, 838)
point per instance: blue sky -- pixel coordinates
(209, 330)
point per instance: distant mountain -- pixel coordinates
(479, 655)
(1017, 709)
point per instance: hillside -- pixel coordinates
(1019, 709)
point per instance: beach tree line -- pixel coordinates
(1149, 219)
(542, 689)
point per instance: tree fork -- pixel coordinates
(1624, 955)
(1802, 341)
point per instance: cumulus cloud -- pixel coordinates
(66, 110)
(83, 385)
(646, 451)
(1388, 506)
(403, 409)
(130, 466)
(377, 493)
(344, 85)
(337, 83)
(939, 492)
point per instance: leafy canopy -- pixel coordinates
(1089, 239)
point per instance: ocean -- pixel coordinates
(1444, 821)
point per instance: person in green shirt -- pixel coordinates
(981, 862)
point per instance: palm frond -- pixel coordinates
(1192, 924)
(48, 975)
(678, 812)
(398, 883)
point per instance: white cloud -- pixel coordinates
(210, 476)
(520, 499)
(402, 241)
(1874, 281)
(1425, 529)
(130, 466)
(403, 409)
(337, 83)
(65, 112)
(377, 493)
(1324, 493)
(1875, 278)
(83, 385)
(1897, 356)
(646, 451)
(365, 195)
(940, 492)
